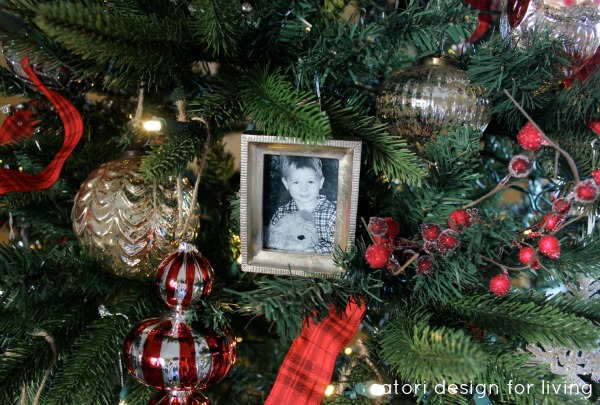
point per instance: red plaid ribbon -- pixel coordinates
(17, 126)
(14, 181)
(308, 366)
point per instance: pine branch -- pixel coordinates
(429, 354)
(143, 48)
(137, 393)
(580, 258)
(277, 109)
(172, 156)
(454, 274)
(508, 367)
(433, 29)
(382, 152)
(497, 66)
(92, 369)
(26, 360)
(450, 183)
(217, 24)
(286, 302)
(528, 317)
(220, 103)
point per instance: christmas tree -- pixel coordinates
(470, 276)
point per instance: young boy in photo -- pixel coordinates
(303, 178)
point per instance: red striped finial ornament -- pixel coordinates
(165, 352)
(184, 277)
(179, 398)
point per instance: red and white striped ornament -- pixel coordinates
(167, 354)
(179, 398)
(184, 277)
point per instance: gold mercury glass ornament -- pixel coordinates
(422, 102)
(129, 223)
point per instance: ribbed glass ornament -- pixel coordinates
(422, 102)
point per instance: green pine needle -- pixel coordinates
(429, 353)
(278, 109)
(529, 317)
(218, 25)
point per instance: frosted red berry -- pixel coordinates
(392, 227)
(377, 256)
(549, 246)
(500, 284)
(520, 166)
(527, 255)
(447, 241)
(377, 226)
(429, 247)
(529, 137)
(552, 221)
(561, 206)
(424, 265)
(596, 176)
(431, 232)
(405, 254)
(586, 191)
(393, 266)
(459, 219)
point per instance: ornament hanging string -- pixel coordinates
(14, 181)
(182, 116)
(307, 368)
(52, 344)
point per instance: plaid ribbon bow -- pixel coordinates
(14, 181)
(308, 366)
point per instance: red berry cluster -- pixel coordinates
(387, 249)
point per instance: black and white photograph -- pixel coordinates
(298, 204)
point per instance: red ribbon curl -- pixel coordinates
(12, 181)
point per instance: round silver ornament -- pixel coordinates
(422, 102)
(129, 223)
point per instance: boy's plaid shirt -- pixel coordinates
(324, 214)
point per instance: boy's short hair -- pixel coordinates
(291, 163)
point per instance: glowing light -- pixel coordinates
(329, 390)
(527, 232)
(153, 125)
(377, 390)
(348, 351)
(239, 339)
